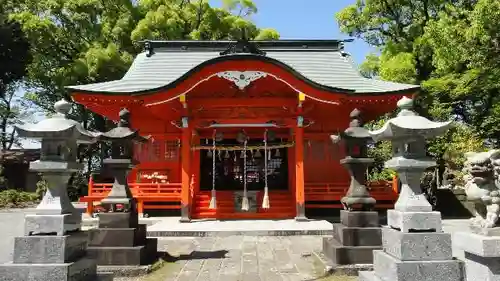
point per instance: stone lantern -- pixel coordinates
(408, 133)
(358, 233)
(60, 137)
(415, 248)
(53, 248)
(356, 162)
(120, 241)
(122, 139)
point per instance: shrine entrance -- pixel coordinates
(232, 167)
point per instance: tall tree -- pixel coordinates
(14, 59)
(447, 46)
(89, 41)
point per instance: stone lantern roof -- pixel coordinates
(57, 126)
(408, 124)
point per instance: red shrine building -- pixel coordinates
(240, 129)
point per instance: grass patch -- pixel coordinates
(160, 270)
(12, 198)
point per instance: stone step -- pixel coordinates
(117, 237)
(390, 268)
(39, 249)
(79, 270)
(340, 254)
(105, 276)
(357, 236)
(137, 255)
(417, 246)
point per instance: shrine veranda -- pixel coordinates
(241, 130)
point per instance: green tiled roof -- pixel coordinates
(326, 65)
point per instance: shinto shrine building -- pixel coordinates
(241, 129)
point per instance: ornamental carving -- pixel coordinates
(242, 78)
(483, 186)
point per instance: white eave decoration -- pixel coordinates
(242, 78)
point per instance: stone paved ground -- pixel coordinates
(226, 259)
(251, 258)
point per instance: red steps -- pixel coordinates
(282, 206)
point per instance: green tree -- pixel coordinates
(466, 44)
(14, 59)
(89, 41)
(449, 47)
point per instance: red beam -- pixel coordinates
(241, 102)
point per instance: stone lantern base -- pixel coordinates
(121, 241)
(481, 253)
(354, 238)
(410, 254)
(52, 257)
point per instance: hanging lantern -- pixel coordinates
(209, 154)
(243, 154)
(277, 154)
(271, 136)
(219, 136)
(241, 137)
(258, 154)
(226, 156)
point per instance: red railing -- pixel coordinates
(142, 192)
(386, 192)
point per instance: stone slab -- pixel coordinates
(51, 224)
(417, 246)
(495, 231)
(105, 276)
(136, 255)
(389, 268)
(125, 270)
(50, 249)
(339, 254)
(118, 220)
(481, 245)
(368, 276)
(117, 237)
(482, 268)
(82, 270)
(359, 218)
(414, 221)
(348, 269)
(357, 236)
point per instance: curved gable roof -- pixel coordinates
(330, 68)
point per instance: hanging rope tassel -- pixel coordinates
(265, 199)
(213, 199)
(244, 203)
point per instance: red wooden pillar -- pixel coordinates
(185, 165)
(299, 163)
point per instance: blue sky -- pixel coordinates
(306, 19)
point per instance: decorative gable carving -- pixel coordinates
(242, 78)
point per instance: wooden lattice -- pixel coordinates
(157, 151)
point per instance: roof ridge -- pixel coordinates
(220, 45)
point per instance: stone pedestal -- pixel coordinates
(412, 254)
(51, 257)
(482, 253)
(354, 238)
(121, 241)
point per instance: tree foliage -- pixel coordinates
(14, 59)
(451, 48)
(89, 41)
